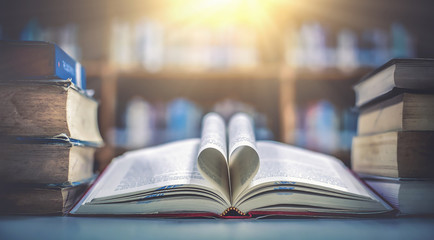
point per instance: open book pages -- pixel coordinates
(230, 170)
(210, 175)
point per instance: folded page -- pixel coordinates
(243, 155)
(211, 159)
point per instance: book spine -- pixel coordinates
(36, 60)
(66, 67)
(233, 212)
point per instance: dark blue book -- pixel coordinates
(35, 60)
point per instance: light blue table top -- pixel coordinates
(45, 227)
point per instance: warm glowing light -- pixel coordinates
(224, 12)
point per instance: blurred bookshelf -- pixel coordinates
(316, 109)
(153, 67)
(196, 93)
(278, 94)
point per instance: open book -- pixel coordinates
(227, 172)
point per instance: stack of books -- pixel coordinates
(48, 129)
(394, 149)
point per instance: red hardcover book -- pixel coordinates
(240, 178)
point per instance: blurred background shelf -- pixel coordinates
(157, 66)
(275, 92)
(257, 88)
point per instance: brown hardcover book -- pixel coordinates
(407, 74)
(398, 154)
(36, 60)
(44, 161)
(18, 199)
(405, 112)
(47, 109)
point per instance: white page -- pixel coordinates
(169, 164)
(243, 156)
(281, 162)
(240, 132)
(213, 134)
(211, 158)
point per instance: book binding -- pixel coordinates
(36, 60)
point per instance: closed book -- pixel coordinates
(36, 60)
(404, 112)
(409, 196)
(401, 154)
(45, 161)
(396, 75)
(39, 200)
(47, 109)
